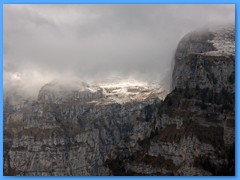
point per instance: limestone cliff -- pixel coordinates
(129, 129)
(70, 130)
(193, 133)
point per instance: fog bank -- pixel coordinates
(95, 43)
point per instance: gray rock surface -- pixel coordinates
(71, 130)
(122, 130)
(193, 132)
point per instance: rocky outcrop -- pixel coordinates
(126, 129)
(71, 131)
(206, 59)
(194, 131)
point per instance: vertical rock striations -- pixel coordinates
(71, 130)
(122, 130)
(194, 130)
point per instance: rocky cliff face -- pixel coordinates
(70, 130)
(126, 129)
(194, 131)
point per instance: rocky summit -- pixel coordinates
(133, 128)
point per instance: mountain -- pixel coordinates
(130, 127)
(71, 128)
(195, 127)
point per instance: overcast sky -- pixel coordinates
(95, 42)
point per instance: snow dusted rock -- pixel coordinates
(71, 129)
(124, 128)
(193, 133)
(202, 57)
(120, 92)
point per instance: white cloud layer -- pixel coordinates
(95, 42)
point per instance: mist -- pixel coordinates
(97, 43)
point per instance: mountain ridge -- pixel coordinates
(190, 131)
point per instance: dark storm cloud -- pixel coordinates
(95, 41)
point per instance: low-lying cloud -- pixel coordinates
(97, 42)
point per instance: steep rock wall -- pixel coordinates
(80, 133)
(71, 132)
(194, 130)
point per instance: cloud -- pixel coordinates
(94, 42)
